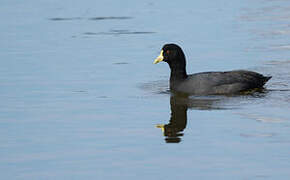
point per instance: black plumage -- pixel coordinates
(228, 82)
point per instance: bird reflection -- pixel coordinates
(177, 123)
(180, 103)
(173, 131)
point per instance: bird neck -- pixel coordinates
(178, 69)
(177, 76)
(178, 72)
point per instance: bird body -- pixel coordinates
(206, 83)
(229, 82)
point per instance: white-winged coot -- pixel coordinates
(206, 83)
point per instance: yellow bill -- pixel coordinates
(159, 58)
(161, 126)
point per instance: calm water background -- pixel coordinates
(80, 97)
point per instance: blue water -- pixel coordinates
(81, 99)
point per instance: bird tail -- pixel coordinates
(266, 78)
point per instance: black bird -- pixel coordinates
(207, 83)
(178, 120)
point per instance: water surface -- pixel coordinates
(81, 99)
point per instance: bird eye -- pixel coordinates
(167, 52)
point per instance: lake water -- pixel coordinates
(81, 99)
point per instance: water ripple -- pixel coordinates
(91, 18)
(118, 32)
